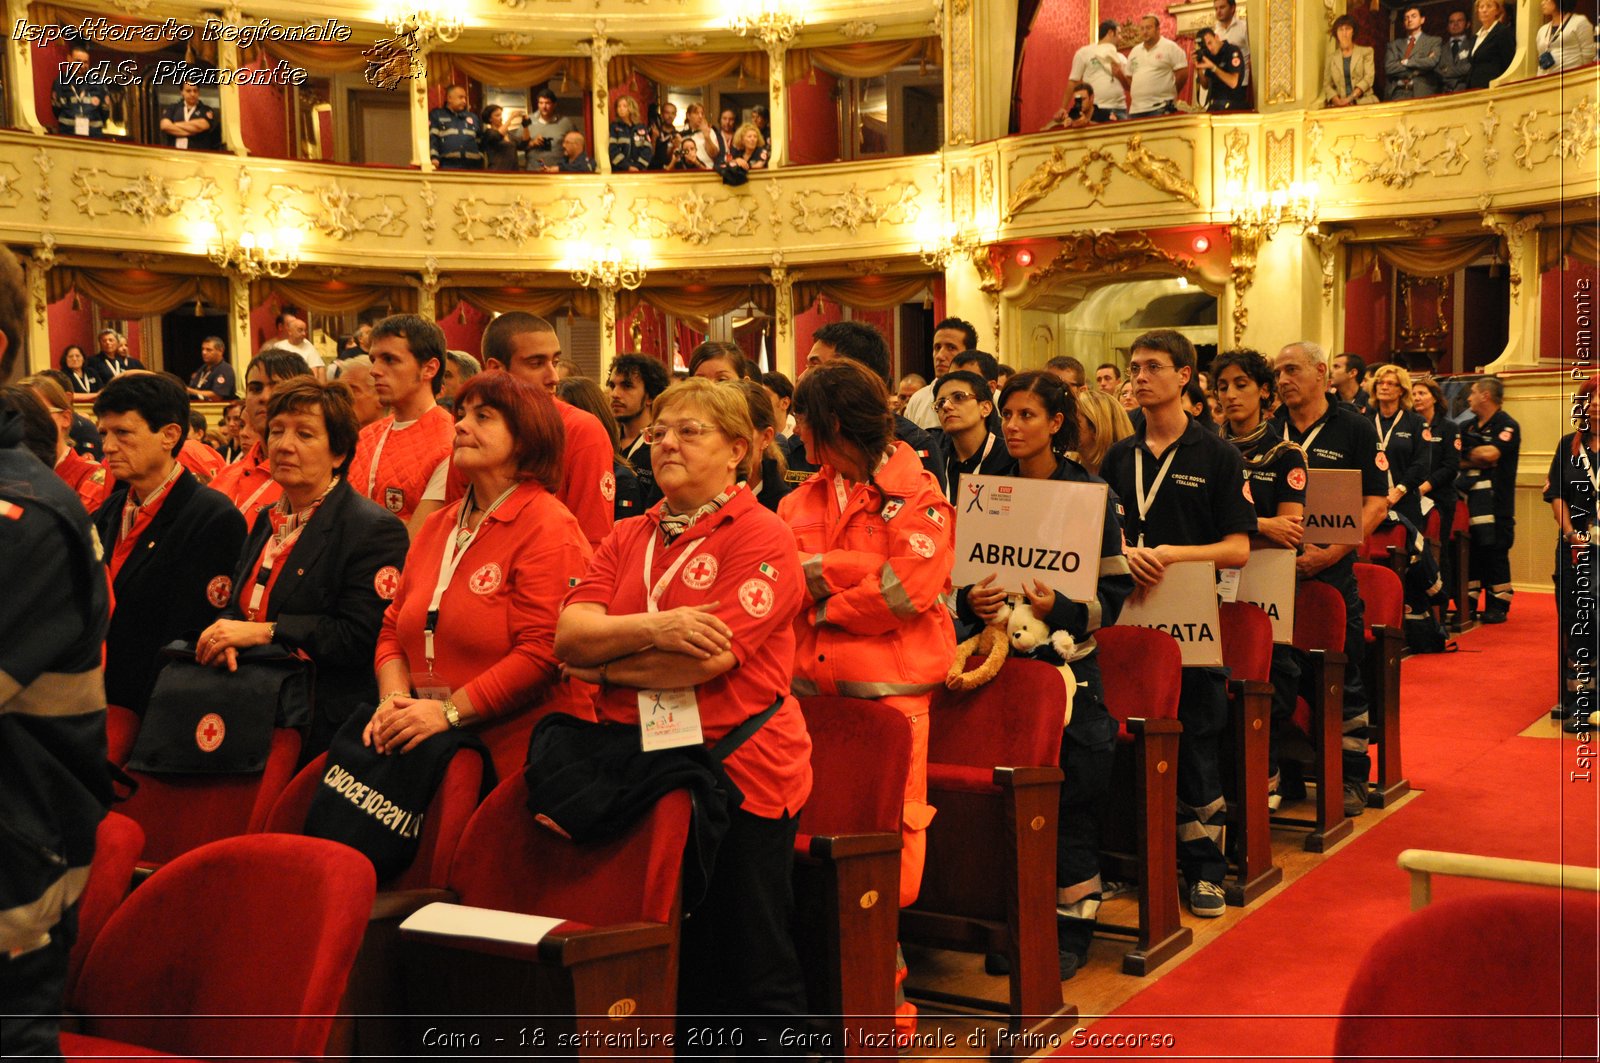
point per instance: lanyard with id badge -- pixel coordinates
(428, 683)
(667, 718)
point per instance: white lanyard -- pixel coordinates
(1145, 501)
(1310, 439)
(455, 549)
(132, 509)
(271, 550)
(377, 452)
(652, 595)
(951, 475)
(633, 448)
(256, 494)
(1383, 441)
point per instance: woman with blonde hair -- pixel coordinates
(631, 148)
(1405, 450)
(1493, 45)
(749, 149)
(1101, 422)
(692, 606)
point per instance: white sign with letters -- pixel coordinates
(1268, 581)
(1333, 507)
(1025, 530)
(1184, 605)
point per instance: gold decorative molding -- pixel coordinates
(44, 194)
(430, 200)
(962, 75)
(1101, 251)
(1415, 227)
(1313, 148)
(850, 210)
(1280, 50)
(336, 211)
(1490, 124)
(684, 42)
(1327, 258)
(1157, 171)
(1514, 231)
(986, 185)
(145, 196)
(1573, 138)
(1280, 159)
(40, 262)
(10, 184)
(514, 42)
(858, 29)
(783, 290)
(1408, 153)
(515, 221)
(1411, 336)
(1236, 156)
(866, 267)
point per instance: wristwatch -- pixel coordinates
(451, 715)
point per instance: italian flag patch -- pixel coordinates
(769, 572)
(934, 515)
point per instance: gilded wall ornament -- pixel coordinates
(895, 204)
(1280, 50)
(513, 41)
(684, 42)
(1406, 153)
(1280, 159)
(1236, 156)
(1327, 248)
(1313, 147)
(430, 200)
(1157, 171)
(1573, 139)
(1490, 124)
(145, 196)
(986, 182)
(42, 191)
(517, 220)
(1515, 232)
(10, 185)
(336, 211)
(859, 29)
(1101, 251)
(958, 40)
(40, 262)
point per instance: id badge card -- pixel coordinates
(80, 125)
(669, 719)
(429, 685)
(181, 143)
(1228, 584)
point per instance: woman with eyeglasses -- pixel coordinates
(73, 363)
(965, 407)
(469, 640)
(84, 475)
(877, 542)
(1040, 425)
(691, 606)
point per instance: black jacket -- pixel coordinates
(1490, 59)
(171, 585)
(1446, 462)
(210, 140)
(329, 602)
(54, 788)
(101, 367)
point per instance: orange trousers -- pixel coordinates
(915, 813)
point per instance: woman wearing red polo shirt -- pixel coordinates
(469, 640)
(877, 542)
(690, 607)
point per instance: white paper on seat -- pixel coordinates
(484, 924)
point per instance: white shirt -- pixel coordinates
(919, 407)
(1154, 71)
(305, 349)
(1570, 43)
(1095, 64)
(1237, 34)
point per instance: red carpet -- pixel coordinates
(1273, 986)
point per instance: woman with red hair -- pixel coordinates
(469, 640)
(1572, 489)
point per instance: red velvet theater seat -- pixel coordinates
(238, 948)
(122, 730)
(614, 955)
(990, 884)
(376, 986)
(117, 844)
(1507, 974)
(1319, 632)
(1383, 618)
(1247, 653)
(183, 812)
(847, 867)
(1143, 674)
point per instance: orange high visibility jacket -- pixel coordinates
(876, 574)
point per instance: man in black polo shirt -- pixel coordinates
(1490, 444)
(1222, 66)
(1182, 489)
(864, 344)
(1335, 436)
(1345, 382)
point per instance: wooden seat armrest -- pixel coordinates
(1018, 778)
(1139, 726)
(846, 846)
(397, 904)
(1238, 687)
(562, 947)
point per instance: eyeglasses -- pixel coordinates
(686, 431)
(951, 399)
(1150, 368)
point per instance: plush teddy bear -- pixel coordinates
(1031, 637)
(1016, 629)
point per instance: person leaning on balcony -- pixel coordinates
(1456, 63)
(1566, 40)
(631, 148)
(1493, 46)
(1347, 75)
(573, 158)
(79, 102)
(1411, 61)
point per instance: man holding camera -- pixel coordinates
(543, 133)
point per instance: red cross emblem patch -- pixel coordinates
(757, 597)
(218, 590)
(922, 544)
(1505, 435)
(485, 580)
(1297, 479)
(700, 572)
(1248, 497)
(608, 486)
(1382, 461)
(208, 732)
(386, 582)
